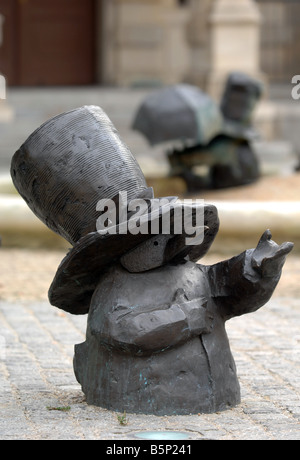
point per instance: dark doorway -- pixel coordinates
(48, 42)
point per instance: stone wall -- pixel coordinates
(145, 42)
(149, 42)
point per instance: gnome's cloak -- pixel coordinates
(156, 341)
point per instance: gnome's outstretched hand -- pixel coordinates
(268, 257)
(246, 282)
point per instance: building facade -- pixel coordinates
(146, 42)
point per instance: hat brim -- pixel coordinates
(80, 271)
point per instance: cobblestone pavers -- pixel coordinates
(40, 398)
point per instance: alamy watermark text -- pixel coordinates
(2, 87)
(156, 216)
(296, 89)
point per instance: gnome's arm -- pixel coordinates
(140, 330)
(246, 282)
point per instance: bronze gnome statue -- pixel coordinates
(156, 341)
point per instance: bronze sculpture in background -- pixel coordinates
(211, 145)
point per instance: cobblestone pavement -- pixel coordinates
(37, 380)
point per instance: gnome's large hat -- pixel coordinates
(62, 171)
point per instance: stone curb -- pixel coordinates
(240, 219)
(246, 217)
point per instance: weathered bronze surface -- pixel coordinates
(231, 162)
(156, 341)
